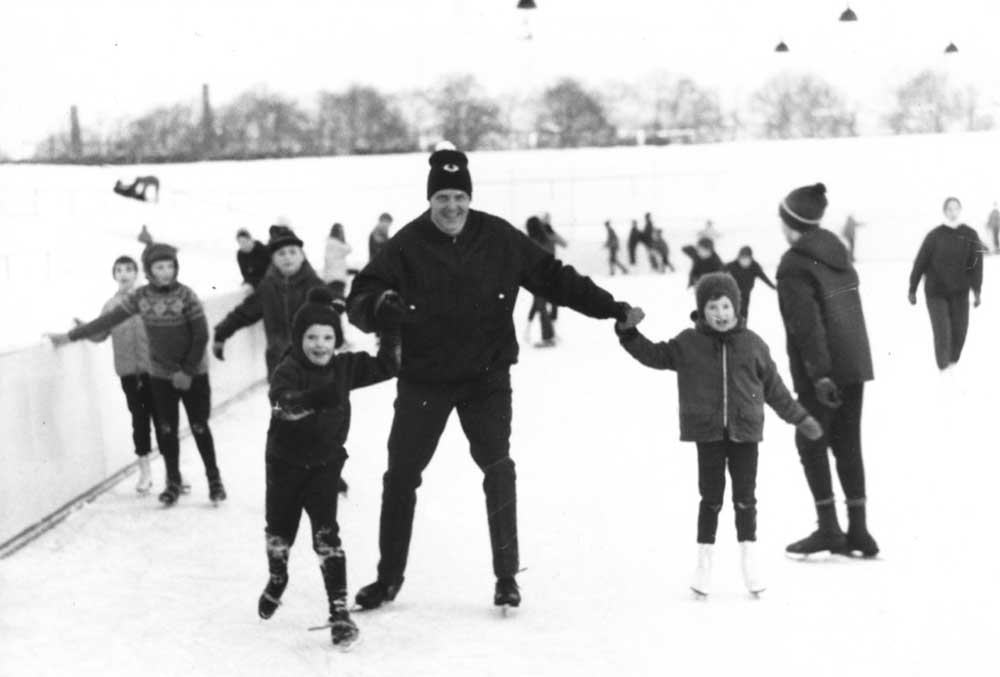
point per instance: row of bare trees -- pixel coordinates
(361, 119)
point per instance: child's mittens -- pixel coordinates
(827, 393)
(390, 310)
(810, 428)
(290, 406)
(629, 319)
(180, 380)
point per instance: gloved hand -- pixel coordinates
(390, 309)
(291, 406)
(912, 298)
(810, 428)
(180, 380)
(631, 319)
(976, 300)
(58, 340)
(217, 347)
(828, 393)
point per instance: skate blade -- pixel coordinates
(507, 611)
(144, 488)
(348, 645)
(699, 595)
(756, 594)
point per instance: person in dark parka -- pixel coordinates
(453, 275)
(747, 271)
(282, 292)
(704, 260)
(950, 261)
(252, 257)
(830, 361)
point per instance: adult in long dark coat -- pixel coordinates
(830, 361)
(452, 276)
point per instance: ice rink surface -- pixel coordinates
(607, 509)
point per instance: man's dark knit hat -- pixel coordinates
(281, 236)
(745, 251)
(243, 232)
(803, 208)
(449, 170)
(321, 307)
(707, 243)
(123, 259)
(158, 251)
(715, 285)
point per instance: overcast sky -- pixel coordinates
(115, 58)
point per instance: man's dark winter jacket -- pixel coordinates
(951, 262)
(700, 266)
(821, 307)
(254, 264)
(460, 294)
(275, 300)
(746, 278)
(723, 381)
(319, 438)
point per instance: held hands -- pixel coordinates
(217, 347)
(828, 393)
(810, 428)
(628, 318)
(390, 309)
(180, 380)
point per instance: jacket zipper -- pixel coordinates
(725, 390)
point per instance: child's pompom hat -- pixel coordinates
(715, 285)
(320, 308)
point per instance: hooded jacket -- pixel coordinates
(319, 438)
(821, 308)
(460, 294)
(275, 300)
(723, 381)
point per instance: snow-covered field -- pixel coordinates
(63, 225)
(607, 508)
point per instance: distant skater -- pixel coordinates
(993, 228)
(747, 271)
(612, 244)
(704, 260)
(850, 233)
(950, 261)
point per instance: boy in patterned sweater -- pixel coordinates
(178, 335)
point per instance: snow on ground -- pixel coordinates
(607, 508)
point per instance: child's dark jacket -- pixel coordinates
(319, 438)
(723, 381)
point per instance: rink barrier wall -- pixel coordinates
(66, 430)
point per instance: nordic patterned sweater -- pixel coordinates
(129, 342)
(175, 324)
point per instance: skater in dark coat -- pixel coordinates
(747, 271)
(950, 261)
(830, 361)
(453, 275)
(379, 235)
(725, 374)
(282, 292)
(252, 257)
(612, 244)
(634, 240)
(660, 246)
(704, 260)
(545, 237)
(311, 417)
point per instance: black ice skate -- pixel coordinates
(374, 595)
(216, 491)
(819, 541)
(270, 599)
(170, 495)
(343, 631)
(858, 538)
(507, 595)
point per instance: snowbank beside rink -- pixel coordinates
(66, 431)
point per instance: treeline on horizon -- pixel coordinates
(361, 119)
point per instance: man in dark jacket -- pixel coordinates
(452, 277)
(704, 260)
(830, 361)
(746, 271)
(278, 296)
(252, 257)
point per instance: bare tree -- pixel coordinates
(925, 103)
(802, 106)
(465, 116)
(572, 117)
(682, 105)
(209, 136)
(361, 120)
(75, 137)
(973, 116)
(263, 124)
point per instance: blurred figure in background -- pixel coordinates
(612, 244)
(379, 235)
(993, 228)
(662, 249)
(634, 239)
(704, 260)
(746, 271)
(252, 257)
(850, 232)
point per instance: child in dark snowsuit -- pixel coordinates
(178, 335)
(746, 270)
(310, 394)
(725, 374)
(950, 261)
(704, 260)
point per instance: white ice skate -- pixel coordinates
(145, 482)
(751, 574)
(702, 579)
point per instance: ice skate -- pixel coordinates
(820, 540)
(858, 539)
(216, 491)
(343, 630)
(547, 343)
(270, 599)
(145, 482)
(507, 595)
(169, 496)
(374, 595)
(702, 580)
(748, 565)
